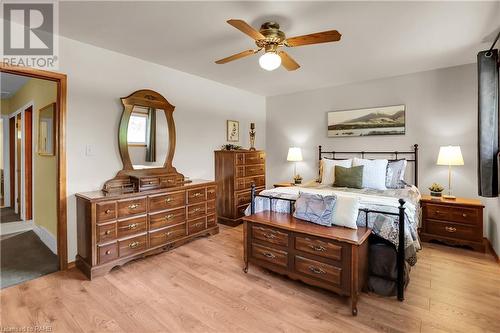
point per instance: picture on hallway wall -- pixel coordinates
(233, 131)
(387, 120)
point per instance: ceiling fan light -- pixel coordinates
(270, 61)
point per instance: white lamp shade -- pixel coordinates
(450, 155)
(270, 61)
(294, 154)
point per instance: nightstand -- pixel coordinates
(454, 222)
(283, 185)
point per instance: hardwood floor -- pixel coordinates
(200, 287)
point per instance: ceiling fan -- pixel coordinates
(271, 39)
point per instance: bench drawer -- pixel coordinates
(273, 256)
(318, 247)
(270, 235)
(318, 270)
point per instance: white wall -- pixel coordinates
(441, 109)
(97, 78)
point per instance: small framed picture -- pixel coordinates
(233, 131)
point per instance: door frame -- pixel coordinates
(61, 81)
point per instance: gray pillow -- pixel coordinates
(394, 178)
(315, 208)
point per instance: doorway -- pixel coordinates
(25, 182)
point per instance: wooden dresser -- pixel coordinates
(334, 258)
(235, 172)
(114, 229)
(454, 222)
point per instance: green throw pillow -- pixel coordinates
(349, 177)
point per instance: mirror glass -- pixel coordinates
(147, 137)
(46, 130)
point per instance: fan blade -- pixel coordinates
(317, 38)
(236, 56)
(246, 28)
(288, 61)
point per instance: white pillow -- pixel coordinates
(346, 211)
(328, 169)
(374, 172)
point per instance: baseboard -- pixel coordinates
(13, 227)
(491, 249)
(71, 265)
(46, 237)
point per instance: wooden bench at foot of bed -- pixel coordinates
(333, 258)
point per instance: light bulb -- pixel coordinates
(270, 61)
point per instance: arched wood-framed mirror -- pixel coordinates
(146, 140)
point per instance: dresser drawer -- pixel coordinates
(211, 207)
(239, 171)
(273, 256)
(197, 210)
(163, 219)
(146, 182)
(270, 235)
(132, 226)
(466, 215)
(452, 230)
(243, 198)
(211, 222)
(131, 207)
(246, 183)
(254, 170)
(167, 181)
(318, 247)
(106, 232)
(196, 195)
(255, 158)
(167, 201)
(211, 192)
(239, 159)
(319, 270)
(105, 211)
(130, 246)
(240, 210)
(166, 235)
(106, 253)
(438, 212)
(197, 225)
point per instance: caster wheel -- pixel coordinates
(355, 312)
(245, 269)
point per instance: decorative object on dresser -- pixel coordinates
(145, 209)
(333, 258)
(454, 222)
(387, 120)
(436, 190)
(235, 172)
(252, 136)
(233, 131)
(450, 155)
(295, 155)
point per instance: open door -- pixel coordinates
(28, 163)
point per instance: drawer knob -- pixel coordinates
(464, 215)
(107, 211)
(170, 180)
(196, 210)
(318, 248)
(169, 216)
(168, 199)
(197, 194)
(108, 252)
(316, 270)
(150, 182)
(198, 224)
(132, 226)
(450, 229)
(269, 255)
(107, 232)
(269, 236)
(133, 245)
(168, 233)
(133, 206)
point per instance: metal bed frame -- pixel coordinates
(400, 250)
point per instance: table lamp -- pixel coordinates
(450, 155)
(294, 155)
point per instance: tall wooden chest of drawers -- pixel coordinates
(454, 222)
(114, 229)
(235, 172)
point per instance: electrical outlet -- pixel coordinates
(89, 150)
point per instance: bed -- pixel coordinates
(393, 245)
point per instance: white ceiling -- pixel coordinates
(10, 84)
(379, 39)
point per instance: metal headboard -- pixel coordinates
(413, 156)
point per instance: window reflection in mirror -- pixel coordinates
(147, 137)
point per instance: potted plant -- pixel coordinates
(297, 179)
(436, 190)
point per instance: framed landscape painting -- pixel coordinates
(386, 120)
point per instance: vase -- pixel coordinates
(436, 194)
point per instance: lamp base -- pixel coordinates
(449, 197)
